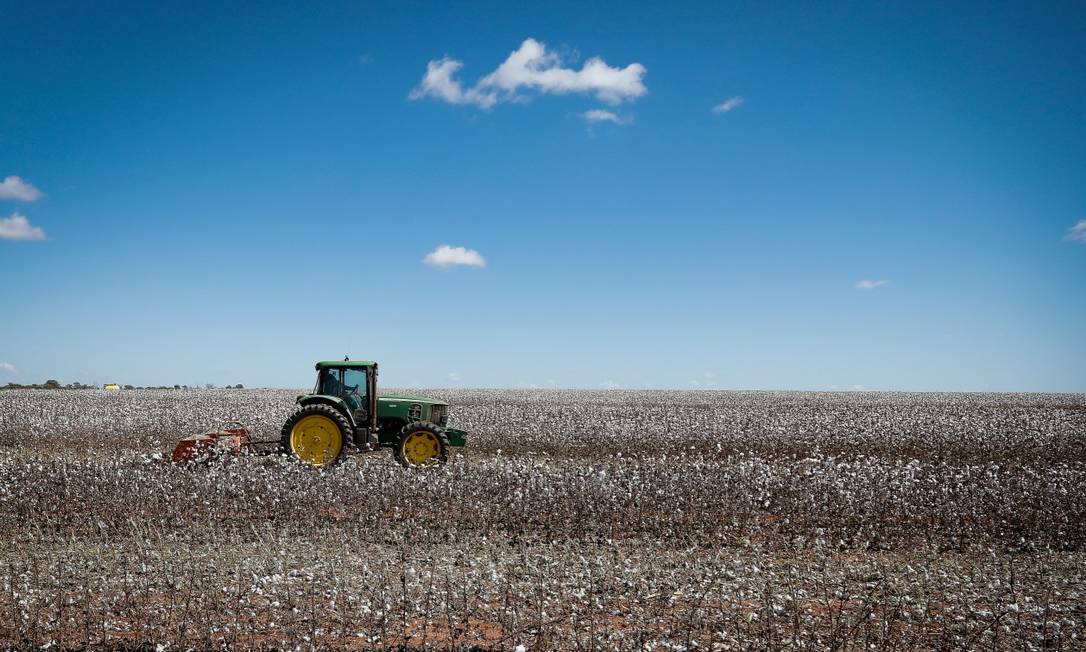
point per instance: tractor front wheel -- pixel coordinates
(422, 445)
(315, 435)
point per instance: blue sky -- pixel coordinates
(230, 192)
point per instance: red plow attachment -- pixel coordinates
(231, 439)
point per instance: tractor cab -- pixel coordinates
(349, 388)
(349, 384)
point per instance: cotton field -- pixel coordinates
(571, 521)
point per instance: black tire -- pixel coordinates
(422, 428)
(319, 409)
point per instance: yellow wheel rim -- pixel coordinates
(316, 439)
(421, 448)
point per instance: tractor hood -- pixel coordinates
(412, 408)
(393, 398)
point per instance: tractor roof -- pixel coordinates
(335, 364)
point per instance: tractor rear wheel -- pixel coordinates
(315, 435)
(422, 445)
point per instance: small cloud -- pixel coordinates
(454, 376)
(7, 367)
(599, 115)
(446, 256)
(531, 67)
(1077, 232)
(17, 227)
(438, 83)
(729, 104)
(19, 189)
(708, 379)
(868, 284)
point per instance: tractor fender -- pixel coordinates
(456, 437)
(339, 404)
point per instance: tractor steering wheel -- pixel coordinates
(353, 391)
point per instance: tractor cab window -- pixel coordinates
(330, 382)
(347, 384)
(354, 388)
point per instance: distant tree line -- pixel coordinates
(50, 384)
(54, 384)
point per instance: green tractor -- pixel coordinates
(345, 410)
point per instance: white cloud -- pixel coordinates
(1077, 232)
(17, 227)
(454, 376)
(531, 67)
(438, 82)
(729, 104)
(599, 115)
(868, 284)
(708, 379)
(19, 189)
(8, 367)
(446, 256)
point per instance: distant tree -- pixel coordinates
(52, 384)
(178, 387)
(209, 386)
(129, 387)
(239, 386)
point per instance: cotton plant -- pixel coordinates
(609, 520)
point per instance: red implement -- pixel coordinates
(229, 440)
